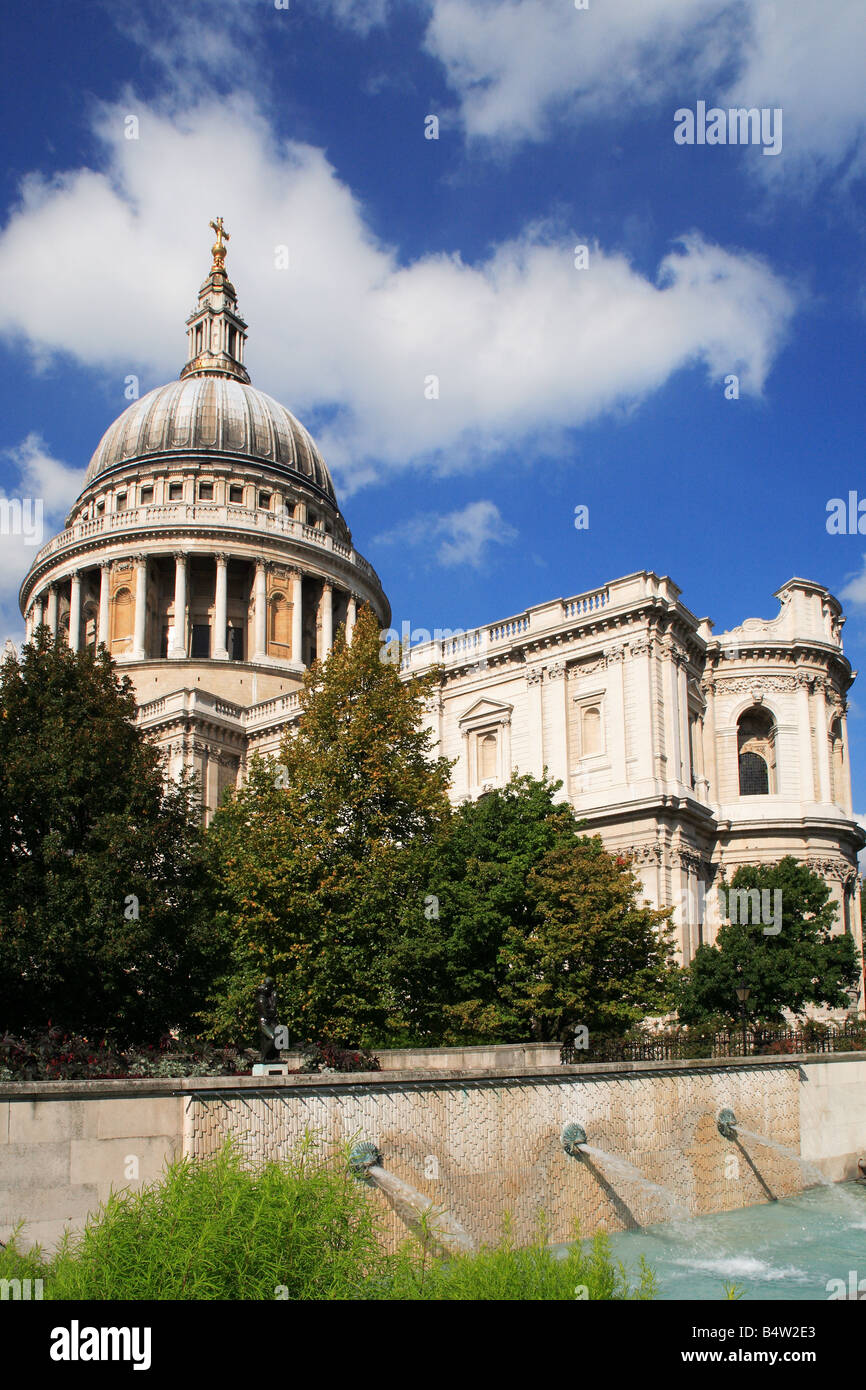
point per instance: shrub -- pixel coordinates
(215, 1229)
(52, 1055)
(326, 1057)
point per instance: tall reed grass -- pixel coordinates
(301, 1229)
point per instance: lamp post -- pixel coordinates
(743, 992)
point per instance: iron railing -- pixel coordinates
(754, 1042)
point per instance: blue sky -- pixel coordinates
(454, 257)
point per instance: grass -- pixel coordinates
(302, 1229)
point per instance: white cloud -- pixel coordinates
(464, 535)
(517, 65)
(360, 15)
(194, 44)
(523, 344)
(854, 592)
(29, 514)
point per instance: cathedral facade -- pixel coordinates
(207, 551)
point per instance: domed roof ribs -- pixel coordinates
(215, 329)
(212, 411)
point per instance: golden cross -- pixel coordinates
(218, 249)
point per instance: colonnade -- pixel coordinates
(45, 607)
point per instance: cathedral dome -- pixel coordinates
(211, 414)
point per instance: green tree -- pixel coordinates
(100, 894)
(800, 964)
(593, 956)
(310, 859)
(470, 888)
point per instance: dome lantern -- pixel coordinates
(215, 329)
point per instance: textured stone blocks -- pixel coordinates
(496, 1152)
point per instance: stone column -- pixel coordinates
(467, 763)
(822, 739)
(351, 617)
(140, 632)
(260, 644)
(671, 716)
(104, 578)
(75, 612)
(710, 767)
(52, 608)
(220, 609)
(804, 744)
(327, 617)
(38, 612)
(178, 645)
(555, 705)
(535, 720)
(297, 617)
(685, 760)
(846, 768)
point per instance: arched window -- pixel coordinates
(487, 757)
(122, 611)
(280, 633)
(590, 731)
(756, 749)
(837, 762)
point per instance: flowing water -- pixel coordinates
(411, 1205)
(811, 1246)
(811, 1171)
(627, 1173)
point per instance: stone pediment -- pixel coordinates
(484, 710)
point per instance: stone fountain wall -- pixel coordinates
(479, 1143)
(482, 1148)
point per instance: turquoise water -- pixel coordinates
(786, 1250)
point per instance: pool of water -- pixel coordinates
(786, 1250)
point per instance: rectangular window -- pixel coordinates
(236, 495)
(146, 496)
(120, 503)
(235, 643)
(201, 639)
(205, 492)
(265, 501)
(175, 492)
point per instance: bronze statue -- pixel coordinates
(266, 1008)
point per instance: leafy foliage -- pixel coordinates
(470, 890)
(593, 957)
(215, 1229)
(54, 1055)
(100, 895)
(537, 928)
(324, 1057)
(801, 964)
(309, 858)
